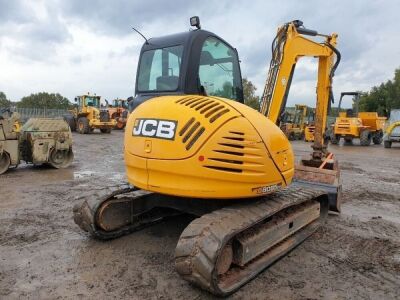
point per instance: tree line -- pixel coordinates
(38, 100)
(57, 101)
(381, 98)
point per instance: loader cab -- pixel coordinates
(88, 101)
(197, 62)
(119, 103)
(92, 101)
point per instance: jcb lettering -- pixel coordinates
(163, 129)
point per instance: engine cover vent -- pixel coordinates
(191, 132)
(211, 108)
(235, 152)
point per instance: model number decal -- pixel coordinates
(156, 128)
(266, 189)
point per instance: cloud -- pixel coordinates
(75, 46)
(117, 17)
(31, 32)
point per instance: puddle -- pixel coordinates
(118, 177)
(83, 174)
(38, 175)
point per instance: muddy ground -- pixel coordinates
(43, 254)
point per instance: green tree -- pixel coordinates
(250, 97)
(226, 91)
(44, 100)
(382, 98)
(4, 102)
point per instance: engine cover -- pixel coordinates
(205, 147)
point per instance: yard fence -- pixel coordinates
(27, 113)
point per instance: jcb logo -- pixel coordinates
(163, 129)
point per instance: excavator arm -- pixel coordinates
(288, 47)
(321, 170)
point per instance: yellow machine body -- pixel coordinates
(298, 121)
(348, 126)
(185, 139)
(118, 111)
(217, 148)
(309, 133)
(372, 120)
(392, 131)
(91, 113)
(352, 126)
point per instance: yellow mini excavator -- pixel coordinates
(192, 146)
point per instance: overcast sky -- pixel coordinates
(74, 47)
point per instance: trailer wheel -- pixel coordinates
(5, 162)
(348, 140)
(292, 136)
(105, 130)
(334, 139)
(83, 125)
(365, 138)
(302, 136)
(387, 144)
(377, 138)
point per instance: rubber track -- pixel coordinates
(202, 240)
(85, 212)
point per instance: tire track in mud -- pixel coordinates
(351, 167)
(373, 260)
(44, 253)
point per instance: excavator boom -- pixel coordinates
(321, 170)
(288, 47)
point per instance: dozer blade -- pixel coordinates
(223, 250)
(309, 174)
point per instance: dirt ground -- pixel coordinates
(43, 254)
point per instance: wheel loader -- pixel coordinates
(192, 146)
(351, 124)
(294, 126)
(118, 111)
(89, 115)
(38, 141)
(392, 132)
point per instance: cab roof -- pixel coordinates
(182, 38)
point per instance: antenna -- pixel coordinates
(147, 42)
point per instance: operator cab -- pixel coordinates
(196, 62)
(119, 103)
(88, 100)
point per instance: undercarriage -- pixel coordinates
(228, 243)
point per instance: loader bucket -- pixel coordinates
(308, 173)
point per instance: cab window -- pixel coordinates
(159, 69)
(92, 101)
(219, 71)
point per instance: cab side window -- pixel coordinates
(159, 69)
(219, 71)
